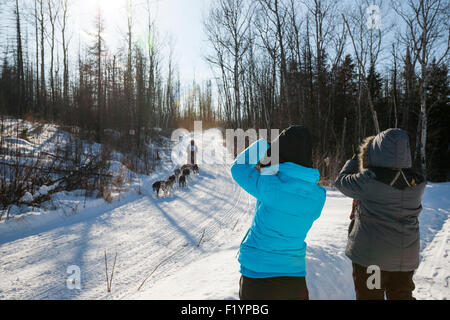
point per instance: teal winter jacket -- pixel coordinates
(288, 202)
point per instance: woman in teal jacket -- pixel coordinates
(272, 254)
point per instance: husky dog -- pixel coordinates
(182, 182)
(186, 172)
(195, 169)
(168, 186)
(177, 174)
(173, 179)
(158, 185)
(186, 166)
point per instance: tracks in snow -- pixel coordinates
(144, 231)
(432, 278)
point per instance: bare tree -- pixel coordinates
(361, 53)
(277, 14)
(152, 57)
(98, 51)
(227, 26)
(36, 26)
(409, 75)
(20, 62)
(41, 20)
(53, 11)
(63, 22)
(323, 13)
(128, 79)
(428, 35)
(269, 85)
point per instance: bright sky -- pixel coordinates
(179, 21)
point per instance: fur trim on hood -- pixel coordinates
(363, 156)
(389, 149)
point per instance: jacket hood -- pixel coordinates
(389, 149)
(293, 170)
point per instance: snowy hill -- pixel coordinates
(184, 246)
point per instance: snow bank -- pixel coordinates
(433, 276)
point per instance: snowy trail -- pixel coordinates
(145, 231)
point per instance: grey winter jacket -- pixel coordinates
(386, 227)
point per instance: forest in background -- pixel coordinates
(347, 70)
(326, 64)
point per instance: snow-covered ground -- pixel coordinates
(184, 246)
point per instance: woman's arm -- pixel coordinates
(351, 182)
(243, 168)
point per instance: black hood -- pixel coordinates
(294, 145)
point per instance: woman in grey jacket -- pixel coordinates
(384, 233)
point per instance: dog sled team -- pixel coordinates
(179, 177)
